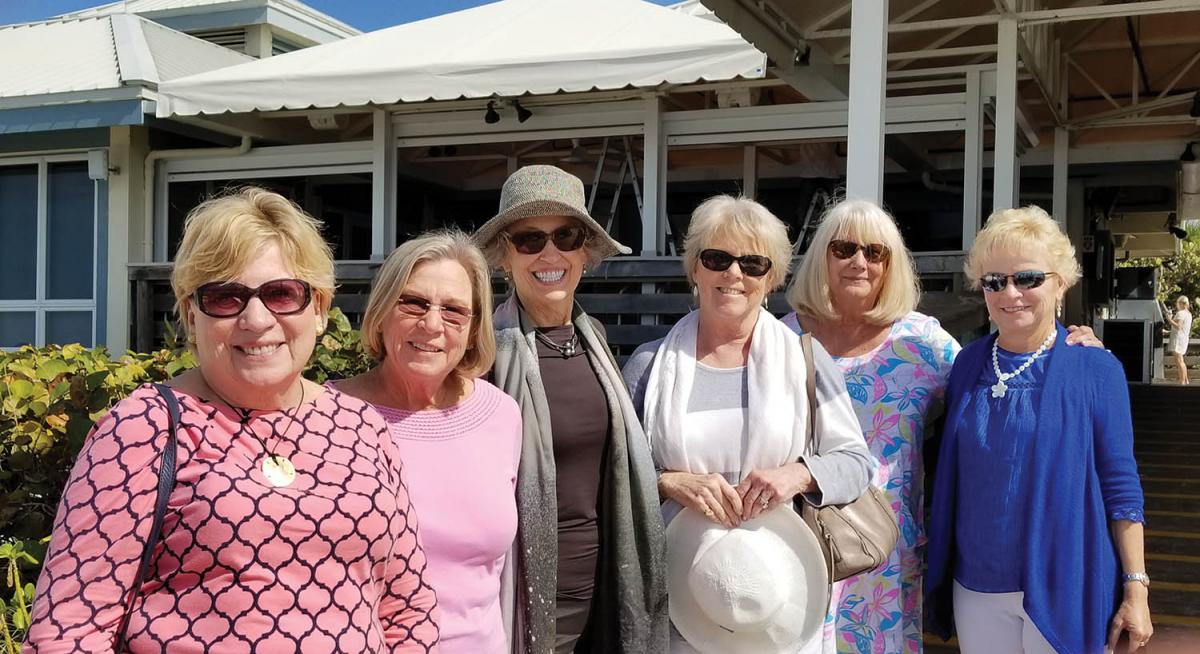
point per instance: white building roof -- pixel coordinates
(507, 48)
(101, 58)
(158, 9)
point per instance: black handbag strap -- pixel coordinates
(166, 484)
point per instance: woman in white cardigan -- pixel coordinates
(723, 396)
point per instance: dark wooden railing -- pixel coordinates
(636, 298)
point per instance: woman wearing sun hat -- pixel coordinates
(588, 566)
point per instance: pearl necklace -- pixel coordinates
(1000, 388)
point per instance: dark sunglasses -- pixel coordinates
(753, 265)
(282, 297)
(567, 238)
(417, 307)
(1023, 279)
(872, 252)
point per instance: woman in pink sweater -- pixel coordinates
(428, 324)
(288, 528)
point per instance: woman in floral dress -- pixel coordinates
(859, 302)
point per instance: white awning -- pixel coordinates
(507, 48)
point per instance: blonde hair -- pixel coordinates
(1018, 230)
(223, 235)
(393, 277)
(1183, 299)
(724, 218)
(496, 251)
(863, 222)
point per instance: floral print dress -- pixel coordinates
(896, 389)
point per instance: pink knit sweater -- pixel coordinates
(460, 465)
(331, 563)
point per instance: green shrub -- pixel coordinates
(50, 397)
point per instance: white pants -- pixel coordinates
(995, 623)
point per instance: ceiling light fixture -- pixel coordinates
(523, 114)
(491, 117)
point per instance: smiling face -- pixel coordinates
(427, 347)
(545, 282)
(255, 353)
(854, 282)
(729, 294)
(1023, 314)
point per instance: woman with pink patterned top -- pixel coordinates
(289, 528)
(428, 324)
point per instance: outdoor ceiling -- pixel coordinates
(1104, 77)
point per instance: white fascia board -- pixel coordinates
(134, 59)
(328, 24)
(75, 97)
(287, 156)
(812, 115)
(544, 118)
(290, 23)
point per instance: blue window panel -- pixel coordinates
(70, 232)
(16, 328)
(64, 327)
(18, 225)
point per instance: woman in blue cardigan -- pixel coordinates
(1035, 540)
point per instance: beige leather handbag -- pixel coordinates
(856, 537)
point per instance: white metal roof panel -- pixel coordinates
(104, 54)
(57, 57)
(507, 48)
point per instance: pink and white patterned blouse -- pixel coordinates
(331, 563)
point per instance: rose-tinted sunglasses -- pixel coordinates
(282, 297)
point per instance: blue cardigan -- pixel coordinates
(1084, 476)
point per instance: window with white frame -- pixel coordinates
(47, 251)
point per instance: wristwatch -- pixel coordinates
(1140, 577)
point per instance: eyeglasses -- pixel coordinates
(282, 297)
(753, 265)
(417, 307)
(567, 238)
(1023, 279)
(872, 252)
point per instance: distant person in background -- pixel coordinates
(1181, 331)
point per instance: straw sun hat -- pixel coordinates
(760, 588)
(545, 191)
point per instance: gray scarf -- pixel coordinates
(629, 607)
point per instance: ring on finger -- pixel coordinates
(764, 501)
(708, 513)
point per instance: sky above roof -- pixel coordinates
(366, 15)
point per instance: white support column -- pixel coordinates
(868, 77)
(1062, 149)
(127, 150)
(972, 207)
(654, 180)
(1004, 170)
(750, 171)
(259, 41)
(383, 186)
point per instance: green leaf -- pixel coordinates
(52, 368)
(20, 389)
